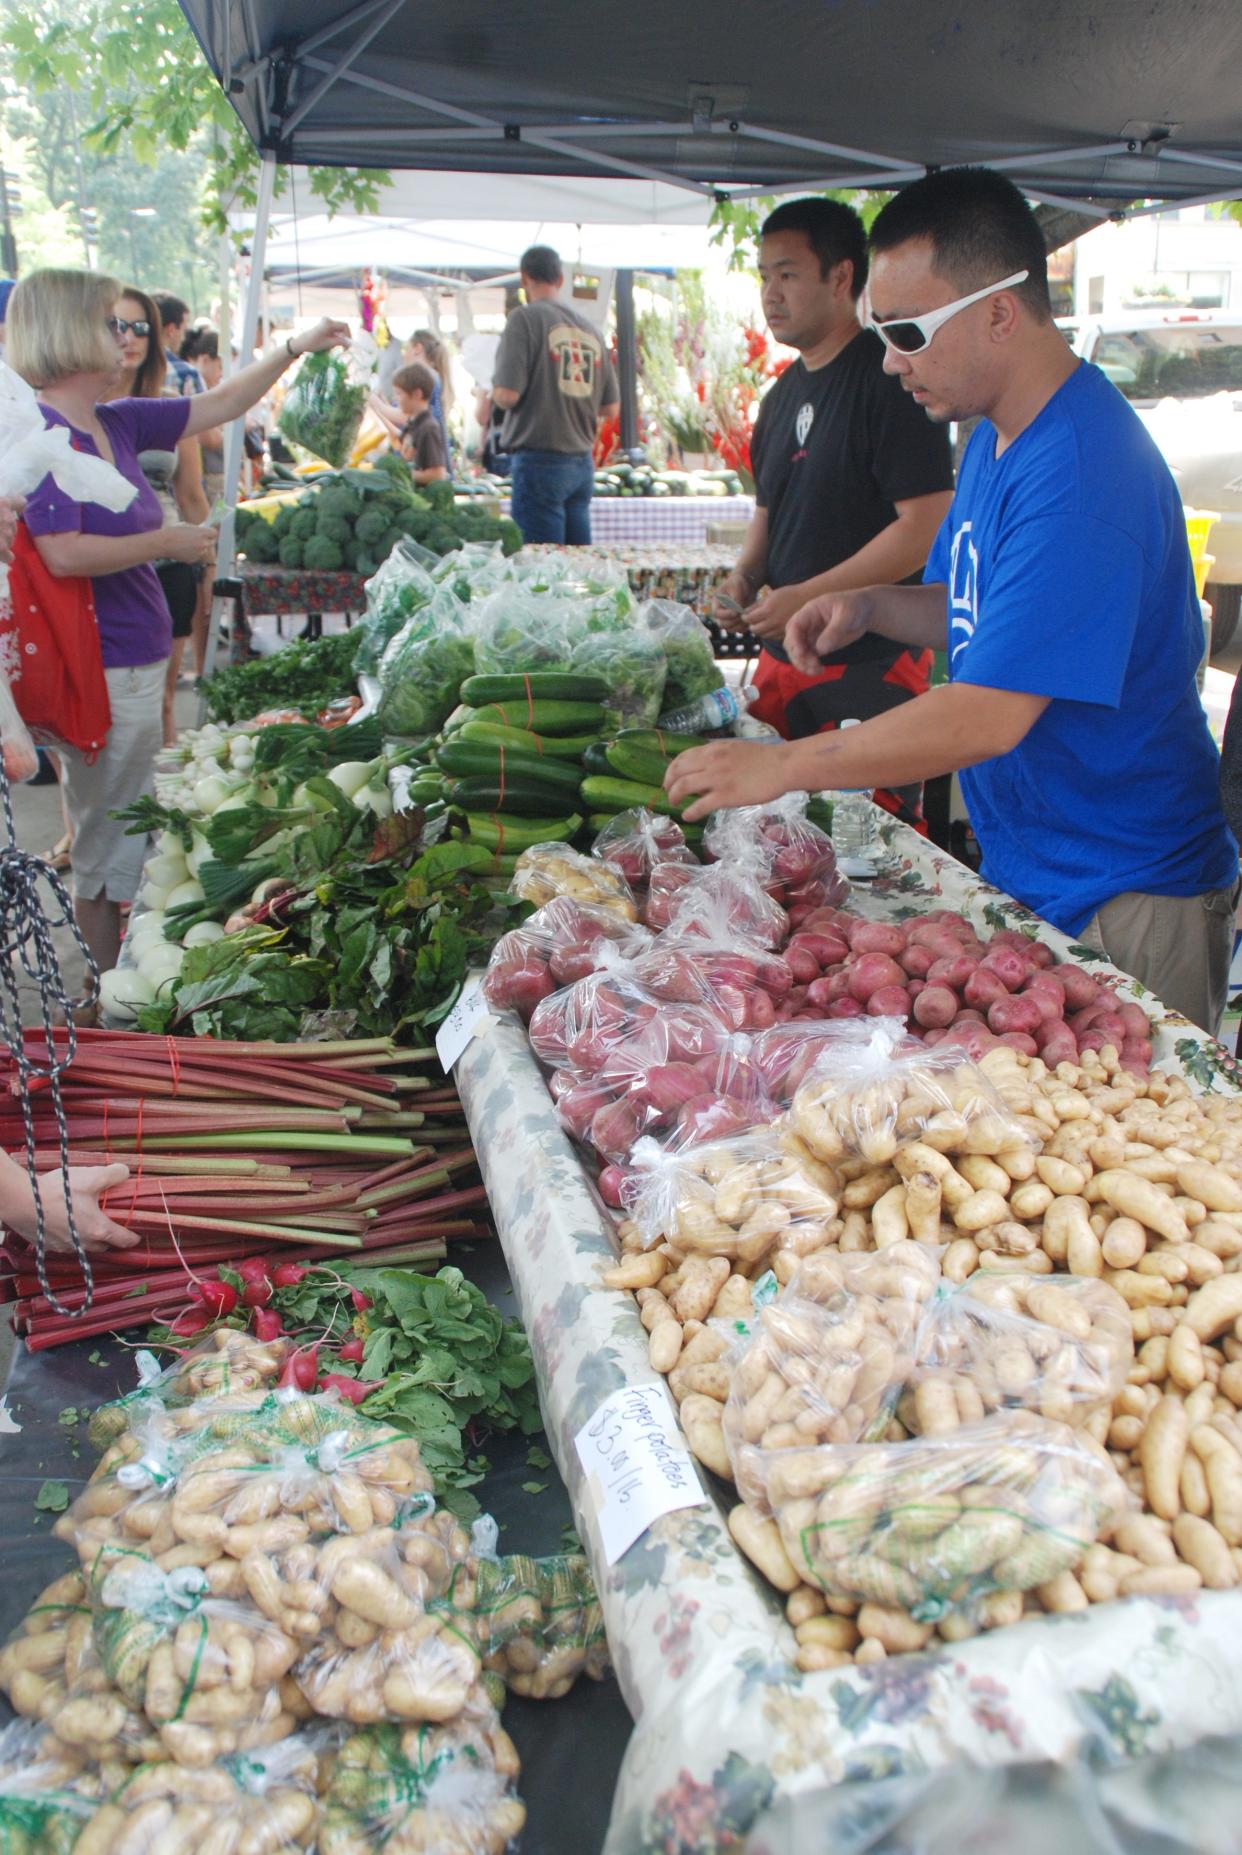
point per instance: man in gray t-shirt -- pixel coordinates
(555, 381)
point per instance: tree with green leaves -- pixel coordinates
(124, 82)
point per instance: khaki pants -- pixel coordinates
(1180, 946)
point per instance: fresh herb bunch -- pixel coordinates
(306, 674)
(324, 407)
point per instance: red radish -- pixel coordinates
(352, 1389)
(257, 1294)
(352, 1351)
(253, 1268)
(889, 1001)
(300, 1369)
(267, 1324)
(287, 1274)
(190, 1321)
(219, 1298)
(871, 971)
(935, 1007)
(360, 1300)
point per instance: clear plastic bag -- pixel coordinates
(742, 1197)
(536, 1623)
(399, 588)
(230, 1369)
(632, 663)
(874, 1091)
(21, 762)
(516, 630)
(265, 1801)
(934, 1525)
(692, 670)
(424, 666)
(636, 843)
(547, 870)
(826, 1360)
(723, 905)
(47, 1793)
(48, 1651)
(557, 946)
(424, 1790)
(326, 401)
(793, 859)
(786, 1053)
(1060, 1345)
(386, 1647)
(667, 883)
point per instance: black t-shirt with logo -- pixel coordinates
(833, 450)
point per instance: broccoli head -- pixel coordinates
(284, 522)
(260, 544)
(369, 527)
(439, 495)
(335, 528)
(442, 539)
(416, 523)
(304, 524)
(291, 551)
(322, 555)
(339, 502)
(390, 539)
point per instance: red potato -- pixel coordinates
(984, 988)
(1008, 965)
(1016, 1040)
(689, 1034)
(845, 1007)
(761, 1009)
(520, 988)
(669, 1086)
(576, 1110)
(952, 970)
(1111, 1026)
(1136, 1021)
(968, 1015)
(877, 937)
(1009, 937)
(1137, 1048)
(802, 963)
(825, 949)
(1059, 1045)
(1048, 999)
(917, 960)
(772, 972)
(712, 1117)
(1042, 956)
(611, 1185)
(1018, 1015)
(889, 1001)
(824, 991)
(615, 1128)
(1079, 987)
(734, 1004)
(939, 938)
(935, 1007)
(974, 1039)
(870, 971)
(914, 987)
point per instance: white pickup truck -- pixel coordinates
(1181, 370)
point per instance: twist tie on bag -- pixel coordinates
(485, 1538)
(150, 1371)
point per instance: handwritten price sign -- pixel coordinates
(636, 1465)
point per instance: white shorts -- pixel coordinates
(105, 861)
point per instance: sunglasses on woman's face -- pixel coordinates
(118, 325)
(913, 333)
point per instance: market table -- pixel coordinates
(957, 1744)
(660, 520)
(570, 1748)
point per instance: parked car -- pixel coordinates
(1181, 370)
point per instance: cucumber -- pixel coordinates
(427, 787)
(531, 798)
(640, 764)
(595, 758)
(544, 717)
(509, 834)
(607, 794)
(463, 758)
(662, 741)
(552, 685)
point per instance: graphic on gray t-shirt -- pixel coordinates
(557, 361)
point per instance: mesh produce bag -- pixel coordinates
(47, 1793)
(536, 1623)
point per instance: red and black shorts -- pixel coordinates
(797, 705)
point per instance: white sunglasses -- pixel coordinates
(911, 334)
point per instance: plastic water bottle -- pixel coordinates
(853, 826)
(717, 709)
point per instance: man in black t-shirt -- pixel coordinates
(852, 481)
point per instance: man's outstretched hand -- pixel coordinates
(728, 773)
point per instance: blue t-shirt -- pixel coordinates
(1069, 576)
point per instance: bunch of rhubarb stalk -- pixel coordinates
(310, 1151)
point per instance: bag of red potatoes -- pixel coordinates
(793, 859)
(558, 944)
(637, 842)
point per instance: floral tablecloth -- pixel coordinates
(733, 1748)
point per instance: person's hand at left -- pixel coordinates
(327, 333)
(87, 1185)
(10, 508)
(729, 773)
(769, 616)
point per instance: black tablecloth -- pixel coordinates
(570, 1748)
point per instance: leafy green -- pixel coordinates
(306, 674)
(534, 1487)
(324, 407)
(420, 675)
(147, 815)
(52, 1498)
(634, 665)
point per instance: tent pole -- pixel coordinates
(235, 433)
(627, 359)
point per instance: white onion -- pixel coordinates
(184, 892)
(123, 993)
(203, 933)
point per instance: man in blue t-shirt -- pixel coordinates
(1061, 586)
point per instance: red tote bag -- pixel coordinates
(50, 653)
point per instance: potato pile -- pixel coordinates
(1024, 1175)
(425, 1790)
(250, 1560)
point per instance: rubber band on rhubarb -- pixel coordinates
(174, 1065)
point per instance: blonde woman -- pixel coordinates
(64, 336)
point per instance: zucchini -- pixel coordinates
(426, 787)
(552, 685)
(508, 834)
(663, 741)
(544, 717)
(640, 764)
(601, 793)
(595, 758)
(462, 758)
(569, 747)
(493, 792)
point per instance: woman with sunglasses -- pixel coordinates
(175, 475)
(1060, 588)
(64, 336)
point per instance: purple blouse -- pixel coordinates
(134, 625)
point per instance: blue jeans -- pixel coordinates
(551, 496)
